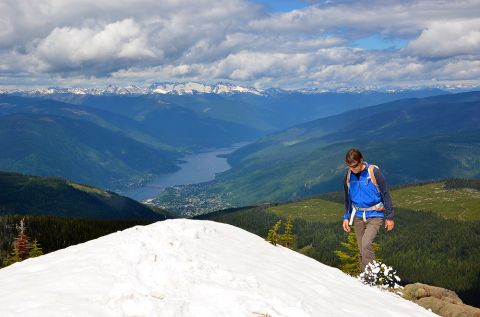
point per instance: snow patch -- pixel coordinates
(187, 268)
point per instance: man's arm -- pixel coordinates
(385, 192)
(348, 207)
(348, 202)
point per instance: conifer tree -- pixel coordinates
(350, 259)
(35, 250)
(286, 239)
(272, 236)
(21, 242)
(12, 257)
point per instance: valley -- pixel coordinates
(125, 138)
(143, 145)
(412, 140)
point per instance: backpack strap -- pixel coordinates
(371, 175)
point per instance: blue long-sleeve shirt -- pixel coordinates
(384, 193)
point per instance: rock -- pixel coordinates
(418, 290)
(441, 301)
(446, 309)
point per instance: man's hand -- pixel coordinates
(389, 224)
(346, 226)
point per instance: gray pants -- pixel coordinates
(366, 233)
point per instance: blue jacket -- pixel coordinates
(363, 194)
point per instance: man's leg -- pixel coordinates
(372, 226)
(360, 227)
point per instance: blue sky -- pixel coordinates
(260, 43)
(372, 42)
(282, 5)
(376, 42)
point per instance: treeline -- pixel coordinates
(54, 233)
(423, 247)
(462, 183)
(450, 183)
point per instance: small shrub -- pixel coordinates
(379, 274)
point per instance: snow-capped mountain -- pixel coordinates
(128, 90)
(189, 88)
(192, 88)
(188, 268)
(155, 88)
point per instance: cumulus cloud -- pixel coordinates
(447, 39)
(237, 40)
(461, 69)
(66, 48)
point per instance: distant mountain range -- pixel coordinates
(154, 88)
(189, 88)
(410, 139)
(116, 140)
(269, 111)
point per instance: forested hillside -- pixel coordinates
(59, 213)
(124, 144)
(32, 195)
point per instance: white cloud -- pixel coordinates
(67, 48)
(461, 69)
(147, 40)
(446, 39)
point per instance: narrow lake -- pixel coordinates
(197, 168)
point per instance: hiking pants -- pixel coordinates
(366, 233)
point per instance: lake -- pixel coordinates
(196, 168)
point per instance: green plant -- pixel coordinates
(273, 236)
(286, 239)
(35, 250)
(350, 259)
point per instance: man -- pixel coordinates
(368, 198)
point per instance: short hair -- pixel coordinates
(353, 156)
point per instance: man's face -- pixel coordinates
(356, 167)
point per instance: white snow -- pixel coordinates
(187, 88)
(193, 87)
(187, 268)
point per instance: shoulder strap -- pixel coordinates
(371, 174)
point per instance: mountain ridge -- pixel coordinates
(185, 88)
